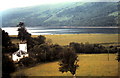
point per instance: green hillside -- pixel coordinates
(64, 14)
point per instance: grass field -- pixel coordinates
(89, 65)
(91, 38)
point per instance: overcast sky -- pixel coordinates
(6, 4)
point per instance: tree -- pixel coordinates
(24, 35)
(5, 39)
(7, 66)
(28, 61)
(68, 61)
(41, 53)
(118, 56)
(56, 51)
(40, 40)
(7, 45)
(21, 24)
(75, 46)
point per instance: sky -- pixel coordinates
(7, 4)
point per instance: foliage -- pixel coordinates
(45, 52)
(23, 35)
(68, 61)
(7, 45)
(22, 32)
(56, 51)
(6, 42)
(42, 53)
(76, 46)
(92, 48)
(118, 56)
(7, 66)
(26, 62)
(39, 52)
(40, 40)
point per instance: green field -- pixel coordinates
(91, 38)
(89, 65)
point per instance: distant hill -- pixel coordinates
(64, 14)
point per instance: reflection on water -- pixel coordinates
(48, 31)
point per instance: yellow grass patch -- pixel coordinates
(90, 65)
(91, 38)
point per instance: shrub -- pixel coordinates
(28, 61)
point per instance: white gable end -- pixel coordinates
(23, 47)
(21, 53)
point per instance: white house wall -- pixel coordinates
(23, 47)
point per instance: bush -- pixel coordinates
(76, 47)
(92, 48)
(40, 40)
(56, 50)
(26, 62)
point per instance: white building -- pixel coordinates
(21, 53)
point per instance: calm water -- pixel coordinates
(47, 31)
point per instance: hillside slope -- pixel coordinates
(64, 14)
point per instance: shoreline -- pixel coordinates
(62, 31)
(65, 27)
(72, 34)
